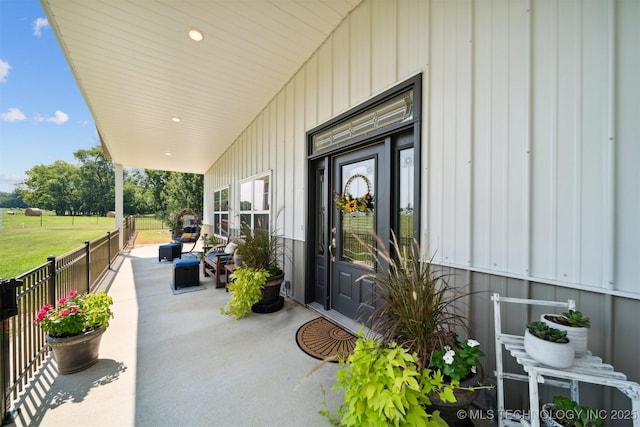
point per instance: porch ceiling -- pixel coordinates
(137, 68)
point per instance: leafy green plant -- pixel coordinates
(75, 314)
(97, 310)
(543, 331)
(210, 240)
(576, 319)
(570, 414)
(245, 289)
(385, 385)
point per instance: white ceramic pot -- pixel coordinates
(553, 354)
(577, 336)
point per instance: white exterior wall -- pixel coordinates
(531, 140)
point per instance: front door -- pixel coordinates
(360, 184)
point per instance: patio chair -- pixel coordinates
(215, 260)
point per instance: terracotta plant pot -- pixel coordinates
(556, 355)
(74, 354)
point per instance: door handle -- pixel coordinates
(332, 246)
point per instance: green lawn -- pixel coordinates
(26, 242)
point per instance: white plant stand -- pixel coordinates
(586, 368)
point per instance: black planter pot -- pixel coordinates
(271, 300)
(455, 413)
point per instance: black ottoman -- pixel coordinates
(170, 251)
(186, 272)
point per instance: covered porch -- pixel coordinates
(175, 360)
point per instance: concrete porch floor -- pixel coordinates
(174, 360)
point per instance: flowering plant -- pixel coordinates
(458, 362)
(347, 203)
(75, 314)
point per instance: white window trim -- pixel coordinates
(252, 212)
(219, 213)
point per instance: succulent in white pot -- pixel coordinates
(575, 324)
(548, 346)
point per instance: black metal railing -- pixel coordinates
(23, 347)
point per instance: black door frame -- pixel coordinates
(322, 164)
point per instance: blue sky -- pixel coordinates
(43, 116)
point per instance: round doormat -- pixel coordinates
(321, 338)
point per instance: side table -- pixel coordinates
(228, 270)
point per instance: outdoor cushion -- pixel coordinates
(169, 245)
(231, 246)
(185, 262)
(224, 257)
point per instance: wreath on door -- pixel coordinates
(345, 202)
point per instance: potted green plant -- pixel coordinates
(385, 385)
(246, 290)
(416, 303)
(458, 362)
(564, 412)
(576, 325)
(549, 346)
(419, 309)
(258, 274)
(74, 328)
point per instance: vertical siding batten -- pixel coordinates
(472, 141)
(528, 129)
(290, 164)
(425, 149)
(553, 210)
(609, 228)
(577, 149)
(463, 138)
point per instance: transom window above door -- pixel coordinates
(398, 109)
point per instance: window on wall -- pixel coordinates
(221, 212)
(255, 196)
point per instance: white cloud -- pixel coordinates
(4, 71)
(8, 182)
(58, 118)
(13, 115)
(38, 25)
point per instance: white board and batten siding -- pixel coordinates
(530, 144)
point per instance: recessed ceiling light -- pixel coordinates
(167, 153)
(176, 119)
(195, 35)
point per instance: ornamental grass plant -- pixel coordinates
(418, 308)
(261, 250)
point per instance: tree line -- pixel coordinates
(89, 188)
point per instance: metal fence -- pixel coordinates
(150, 223)
(23, 344)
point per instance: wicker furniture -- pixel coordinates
(186, 272)
(170, 251)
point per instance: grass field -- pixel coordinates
(27, 241)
